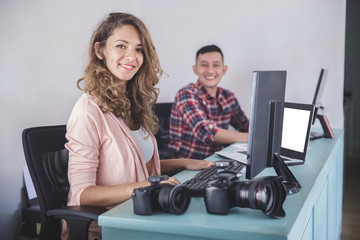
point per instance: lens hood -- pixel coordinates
(265, 193)
(276, 196)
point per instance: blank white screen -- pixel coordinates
(295, 124)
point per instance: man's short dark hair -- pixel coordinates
(209, 48)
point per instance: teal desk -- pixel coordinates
(313, 213)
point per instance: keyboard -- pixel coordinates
(197, 184)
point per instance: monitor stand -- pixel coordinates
(291, 184)
(327, 131)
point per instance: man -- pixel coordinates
(202, 111)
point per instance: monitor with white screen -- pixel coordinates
(296, 128)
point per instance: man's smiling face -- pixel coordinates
(210, 68)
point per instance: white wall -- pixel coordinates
(43, 51)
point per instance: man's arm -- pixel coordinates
(224, 136)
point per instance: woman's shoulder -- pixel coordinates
(87, 100)
(86, 97)
(85, 105)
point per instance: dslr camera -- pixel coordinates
(226, 191)
(160, 196)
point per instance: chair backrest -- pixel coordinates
(163, 112)
(47, 160)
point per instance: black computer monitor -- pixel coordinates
(318, 86)
(327, 131)
(265, 130)
(267, 108)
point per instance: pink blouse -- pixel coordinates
(103, 150)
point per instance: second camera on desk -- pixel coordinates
(266, 194)
(160, 196)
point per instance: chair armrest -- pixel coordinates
(78, 218)
(89, 212)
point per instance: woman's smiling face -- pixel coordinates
(123, 52)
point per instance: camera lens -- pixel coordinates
(174, 199)
(266, 194)
(179, 199)
(268, 199)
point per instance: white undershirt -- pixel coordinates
(146, 144)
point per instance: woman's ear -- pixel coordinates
(97, 50)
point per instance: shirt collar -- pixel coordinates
(205, 92)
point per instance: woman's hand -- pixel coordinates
(172, 181)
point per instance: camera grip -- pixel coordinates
(217, 198)
(142, 201)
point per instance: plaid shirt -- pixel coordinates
(196, 117)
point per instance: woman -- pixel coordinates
(110, 130)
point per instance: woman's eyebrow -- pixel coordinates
(121, 40)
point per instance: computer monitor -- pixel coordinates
(267, 104)
(318, 86)
(296, 128)
(265, 130)
(327, 131)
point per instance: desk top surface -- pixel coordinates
(239, 221)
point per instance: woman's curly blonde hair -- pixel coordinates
(134, 98)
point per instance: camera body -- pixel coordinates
(160, 196)
(227, 191)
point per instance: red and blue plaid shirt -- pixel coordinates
(196, 117)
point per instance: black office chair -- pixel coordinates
(163, 112)
(47, 160)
